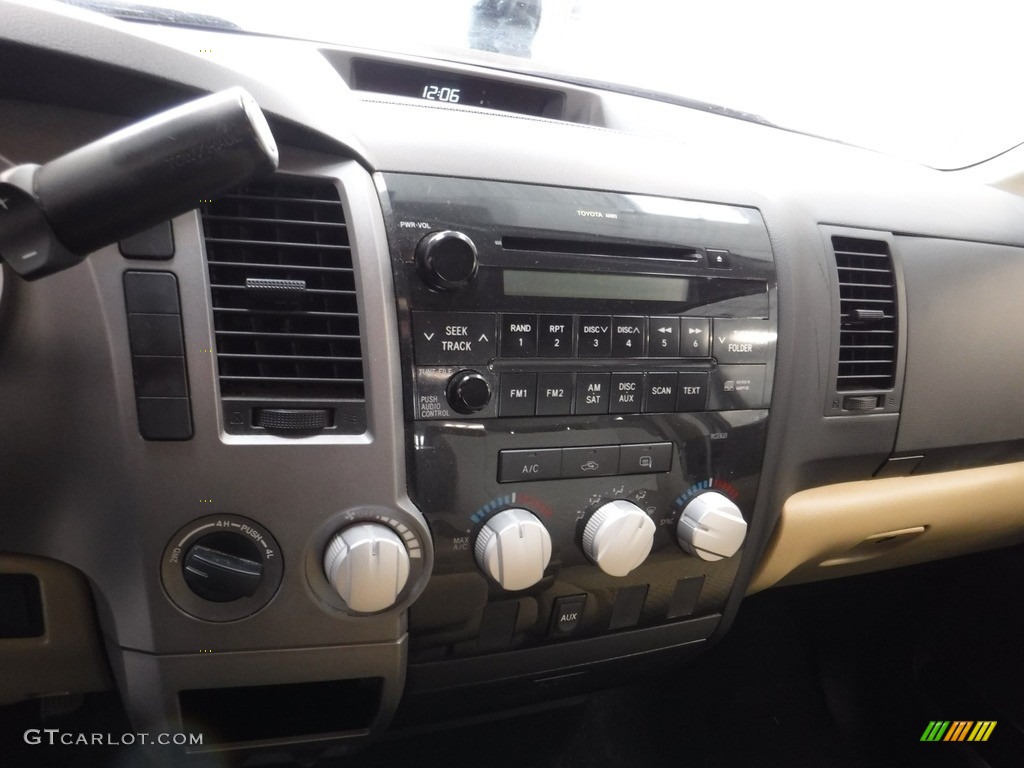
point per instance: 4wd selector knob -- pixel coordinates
(446, 260)
(514, 549)
(468, 392)
(711, 527)
(618, 537)
(368, 566)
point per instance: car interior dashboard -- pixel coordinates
(480, 390)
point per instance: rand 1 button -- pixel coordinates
(645, 457)
(693, 392)
(595, 336)
(628, 336)
(627, 393)
(518, 395)
(694, 336)
(519, 466)
(554, 394)
(554, 335)
(743, 341)
(453, 338)
(663, 337)
(660, 393)
(736, 387)
(518, 335)
(592, 393)
(594, 461)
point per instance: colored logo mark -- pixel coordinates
(958, 730)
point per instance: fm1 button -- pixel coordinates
(566, 615)
(518, 394)
(521, 466)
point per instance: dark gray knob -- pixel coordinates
(468, 392)
(446, 261)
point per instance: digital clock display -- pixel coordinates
(456, 88)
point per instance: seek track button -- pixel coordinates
(453, 338)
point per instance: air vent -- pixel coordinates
(284, 294)
(867, 301)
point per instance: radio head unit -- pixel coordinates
(587, 381)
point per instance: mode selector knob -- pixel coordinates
(446, 261)
(468, 392)
(618, 537)
(368, 566)
(711, 527)
(514, 549)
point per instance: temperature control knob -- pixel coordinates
(711, 527)
(468, 392)
(446, 260)
(618, 537)
(368, 566)
(513, 548)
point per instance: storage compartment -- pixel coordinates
(270, 712)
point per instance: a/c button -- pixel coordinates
(521, 466)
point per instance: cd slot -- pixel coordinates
(602, 248)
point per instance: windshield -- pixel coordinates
(927, 81)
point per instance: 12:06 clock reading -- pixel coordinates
(439, 93)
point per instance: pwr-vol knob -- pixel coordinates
(514, 549)
(368, 566)
(711, 527)
(446, 261)
(618, 537)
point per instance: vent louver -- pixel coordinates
(284, 297)
(867, 301)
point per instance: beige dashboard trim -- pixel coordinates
(850, 528)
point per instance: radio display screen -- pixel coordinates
(588, 285)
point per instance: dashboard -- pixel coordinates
(497, 390)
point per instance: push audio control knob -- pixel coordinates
(618, 537)
(514, 549)
(446, 261)
(368, 566)
(711, 527)
(468, 392)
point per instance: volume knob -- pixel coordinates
(447, 260)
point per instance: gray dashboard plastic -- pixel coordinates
(86, 490)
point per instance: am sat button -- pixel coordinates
(645, 457)
(596, 461)
(520, 466)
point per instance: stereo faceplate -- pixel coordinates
(609, 359)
